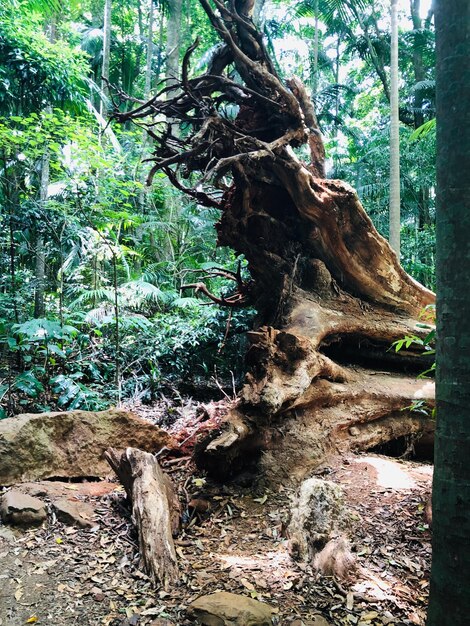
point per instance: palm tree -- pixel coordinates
(394, 234)
(450, 575)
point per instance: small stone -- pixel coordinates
(7, 535)
(20, 509)
(98, 597)
(74, 513)
(318, 620)
(160, 621)
(354, 431)
(230, 609)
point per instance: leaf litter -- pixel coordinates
(233, 540)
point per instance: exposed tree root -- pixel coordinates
(330, 292)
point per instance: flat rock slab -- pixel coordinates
(19, 509)
(230, 609)
(57, 489)
(74, 513)
(70, 444)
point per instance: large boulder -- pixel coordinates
(20, 509)
(229, 609)
(70, 444)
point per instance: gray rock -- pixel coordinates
(70, 444)
(19, 509)
(229, 609)
(7, 534)
(74, 513)
(318, 514)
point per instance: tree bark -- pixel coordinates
(394, 137)
(155, 510)
(106, 57)
(450, 575)
(330, 293)
(40, 254)
(173, 43)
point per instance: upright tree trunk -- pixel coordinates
(173, 43)
(418, 64)
(424, 217)
(315, 52)
(145, 137)
(106, 57)
(40, 254)
(149, 55)
(394, 235)
(450, 575)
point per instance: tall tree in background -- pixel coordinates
(173, 41)
(106, 56)
(40, 253)
(394, 137)
(450, 577)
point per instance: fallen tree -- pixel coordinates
(155, 510)
(330, 293)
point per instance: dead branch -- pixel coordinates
(155, 510)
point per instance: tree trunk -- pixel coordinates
(450, 574)
(173, 43)
(315, 51)
(40, 254)
(394, 234)
(155, 510)
(106, 58)
(330, 294)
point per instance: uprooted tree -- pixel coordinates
(330, 293)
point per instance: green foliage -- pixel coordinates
(426, 343)
(34, 72)
(116, 253)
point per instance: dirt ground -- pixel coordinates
(60, 575)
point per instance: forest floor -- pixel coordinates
(60, 575)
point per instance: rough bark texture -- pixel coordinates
(450, 574)
(155, 510)
(330, 293)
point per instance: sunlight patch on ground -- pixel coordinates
(277, 563)
(389, 474)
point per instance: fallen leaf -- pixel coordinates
(368, 617)
(246, 583)
(32, 620)
(18, 594)
(261, 500)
